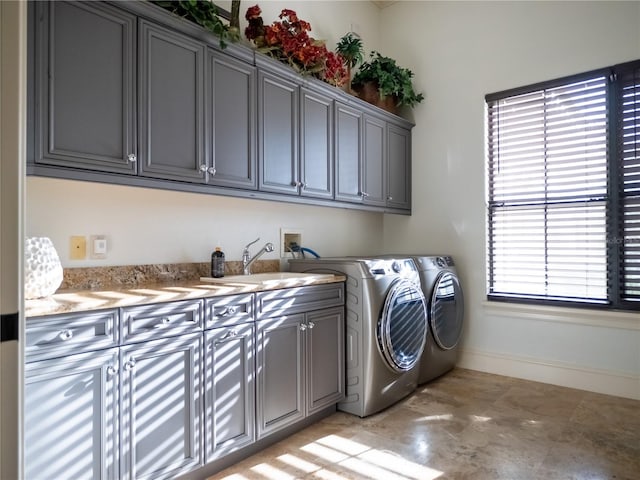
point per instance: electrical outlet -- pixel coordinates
(78, 248)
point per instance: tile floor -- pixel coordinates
(465, 425)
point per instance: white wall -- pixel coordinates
(153, 226)
(460, 51)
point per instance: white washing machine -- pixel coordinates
(445, 304)
(386, 328)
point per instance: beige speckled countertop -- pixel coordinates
(69, 301)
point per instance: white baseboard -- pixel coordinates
(555, 373)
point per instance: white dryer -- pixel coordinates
(386, 328)
(445, 299)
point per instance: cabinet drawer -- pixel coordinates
(59, 335)
(160, 320)
(229, 310)
(301, 299)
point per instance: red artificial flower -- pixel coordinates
(253, 12)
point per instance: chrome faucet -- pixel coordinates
(247, 260)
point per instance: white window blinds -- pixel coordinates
(547, 192)
(628, 141)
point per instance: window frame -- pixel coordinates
(614, 201)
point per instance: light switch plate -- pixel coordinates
(98, 245)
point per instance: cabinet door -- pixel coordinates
(325, 358)
(399, 169)
(229, 373)
(375, 162)
(316, 145)
(348, 151)
(277, 134)
(161, 407)
(85, 71)
(70, 417)
(232, 117)
(280, 373)
(171, 96)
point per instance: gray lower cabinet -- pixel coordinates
(348, 153)
(278, 110)
(229, 381)
(299, 354)
(398, 167)
(71, 417)
(281, 373)
(85, 73)
(171, 99)
(160, 416)
(231, 122)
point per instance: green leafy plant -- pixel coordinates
(391, 79)
(351, 49)
(205, 14)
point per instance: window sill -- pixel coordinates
(578, 316)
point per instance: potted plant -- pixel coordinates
(206, 15)
(382, 82)
(351, 50)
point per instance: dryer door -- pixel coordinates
(402, 327)
(447, 311)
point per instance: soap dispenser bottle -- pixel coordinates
(217, 263)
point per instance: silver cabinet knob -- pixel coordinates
(203, 168)
(303, 327)
(129, 364)
(212, 171)
(364, 194)
(389, 197)
(132, 158)
(311, 325)
(111, 370)
(66, 335)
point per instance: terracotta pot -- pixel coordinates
(369, 93)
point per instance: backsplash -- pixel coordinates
(131, 276)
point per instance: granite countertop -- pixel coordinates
(70, 301)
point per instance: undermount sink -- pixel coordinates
(271, 278)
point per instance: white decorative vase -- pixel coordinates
(42, 268)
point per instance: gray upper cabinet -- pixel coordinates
(316, 145)
(375, 162)
(399, 167)
(127, 93)
(171, 98)
(231, 122)
(348, 151)
(85, 87)
(278, 111)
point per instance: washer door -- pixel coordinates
(447, 311)
(402, 328)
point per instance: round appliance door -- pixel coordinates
(402, 327)
(447, 311)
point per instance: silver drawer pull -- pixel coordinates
(311, 325)
(65, 335)
(230, 310)
(132, 158)
(231, 334)
(129, 364)
(163, 323)
(303, 327)
(212, 171)
(111, 370)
